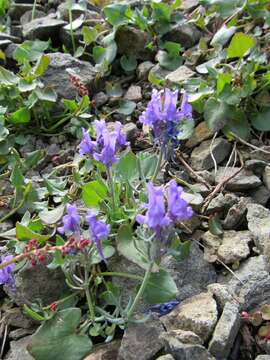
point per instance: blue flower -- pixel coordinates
(70, 221)
(178, 208)
(86, 145)
(164, 308)
(99, 231)
(6, 274)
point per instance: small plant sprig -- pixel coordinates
(260, 319)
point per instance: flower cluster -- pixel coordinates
(107, 143)
(6, 274)
(163, 115)
(98, 229)
(79, 85)
(156, 217)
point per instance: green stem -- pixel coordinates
(71, 29)
(120, 274)
(141, 172)
(157, 169)
(141, 290)
(34, 10)
(110, 181)
(87, 292)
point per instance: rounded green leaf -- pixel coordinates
(261, 121)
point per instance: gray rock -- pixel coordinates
(134, 93)
(20, 333)
(221, 294)
(230, 247)
(185, 337)
(63, 12)
(225, 331)
(201, 158)
(157, 72)
(236, 214)
(14, 39)
(195, 200)
(251, 283)
(266, 177)
(38, 283)
(18, 350)
(221, 203)
(256, 166)
(263, 357)
(191, 275)
(15, 318)
(189, 4)
(10, 50)
(105, 351)
(100, 99)
(200, 133)
(244, 180)
(197, 314)
(27, 16)
(165, 357)
(131, 131)
(185, 34)
(66, 38)
(132, 41)
(4, 44)
(143, 69)
(179, 75)
(43, 28)
(5, 225)
(141, 341)
(58, 77)
(17, 10)
(258, 218)
(182, 351)
(261, 195)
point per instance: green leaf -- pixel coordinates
(23, 233)
(127, 166)
(222, 80)
(46, 94)
(186, 129)
(58, 336)
(32, 314)
(93, 193)
(128, 63)
(172, 48)
(89, 35)
(16, 177)
(215, 226)
(50, 217)
(70, 105)
(126, 107)
(42, 65)
(240, 45)
(102, 54)
(7, 77)
(223, 35)
(238, 125)
(21, 116)
(25, 85)
(127, 248)
(216, 114)
(169, 62)
(33, 159)
(117, 14)
(114, 89)
(148, 163)
(224, 8)
(30, 50)
(160, 288)
(261, 121)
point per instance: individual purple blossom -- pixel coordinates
(186, 108)
(155, 216)
(99, 231)
(107, 155)
(178, 208)
(70, 221)
(86, 145)
(6, 274)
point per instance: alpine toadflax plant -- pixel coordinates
(6, 274)
(107, 143)
(163, 115)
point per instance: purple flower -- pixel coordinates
(6, 274)
(70, 221)
(107, 154)
(99, 231)
(86, 145)
(186, 108)
(155, 216)
(178, 208)
(163, 115)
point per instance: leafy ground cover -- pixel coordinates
(134, 179)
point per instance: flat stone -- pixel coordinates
(225, 332)
(4, 44)
(256, 166)
(258, 218)
(63, 11)
(221, 203)
(132, 41)
(15, 318)
(158, 72)
(186, 337)
(165, 357)
(266, 177)
(236, 214)
(58, 77)
(244, 180)
(17, 10)
(197, 314)
(192, 274)
(100, 99)
(263, 357)
(14, 39)
(27, 16)
(185, 34)
(179, 75)
(182, 351)
(261, 195)
(221, 294)
(105, 351)
(43, 28)
(141, 341)
(201, 133)
(201, 158)
(131, 131)
(20, 333)
(143, 69)
(189, 4)
(18, 350)
(134, 93)
(195, 200)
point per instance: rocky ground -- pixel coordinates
(228, 180)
